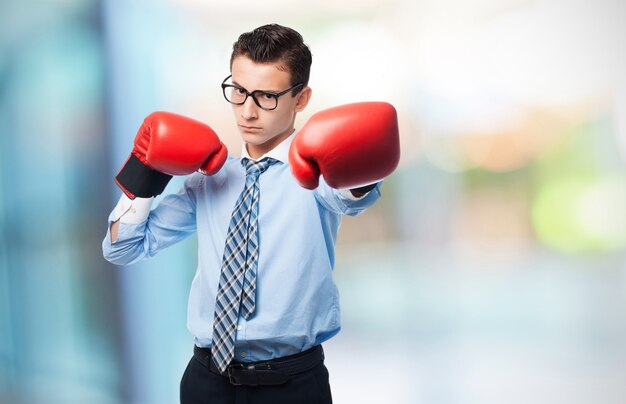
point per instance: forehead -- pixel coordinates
(259, 76)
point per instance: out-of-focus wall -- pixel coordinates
(492, 270)
(59, 314)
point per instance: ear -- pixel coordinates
(303, 98)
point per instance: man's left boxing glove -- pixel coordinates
(168, 144)
(350, 146)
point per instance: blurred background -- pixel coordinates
(493, 270)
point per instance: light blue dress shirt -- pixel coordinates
(297, 302)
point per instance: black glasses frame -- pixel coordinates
(254, 93)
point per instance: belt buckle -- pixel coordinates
(236, 366)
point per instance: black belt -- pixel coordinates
(271, 372)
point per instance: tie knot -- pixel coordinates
(254, 167)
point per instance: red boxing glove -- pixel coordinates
(350, 145)
(169, 144)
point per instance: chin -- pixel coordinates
(253, 139)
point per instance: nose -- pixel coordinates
(249, 109)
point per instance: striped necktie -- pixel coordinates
(237, 284)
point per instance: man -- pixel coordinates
(263, 299)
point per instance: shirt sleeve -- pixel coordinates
(142, 236)
(342, 201)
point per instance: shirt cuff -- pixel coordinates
(132, 211)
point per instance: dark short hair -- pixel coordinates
(275, 43)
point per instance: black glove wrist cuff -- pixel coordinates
(365, 189)
(139, 180)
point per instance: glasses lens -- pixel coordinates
(266, 100)
(236, 95)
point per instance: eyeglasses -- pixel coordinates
(264, 99)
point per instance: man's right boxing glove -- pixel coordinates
(169, 144)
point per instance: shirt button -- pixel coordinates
(133, 210)
(239, 328)
(243, 354)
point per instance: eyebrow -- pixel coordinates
(263, 91)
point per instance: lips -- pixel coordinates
(250, 129)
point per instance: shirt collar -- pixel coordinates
(280, 152)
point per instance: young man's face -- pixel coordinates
(262, 130)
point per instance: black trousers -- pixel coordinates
(201, 386)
